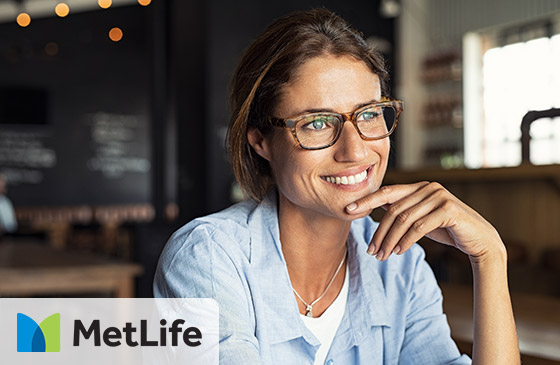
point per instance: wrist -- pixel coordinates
(491, 257)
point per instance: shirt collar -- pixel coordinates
(274, 283)
(367, 301)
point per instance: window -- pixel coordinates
(503, 83)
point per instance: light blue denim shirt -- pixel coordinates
(393, 314)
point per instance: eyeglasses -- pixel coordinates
(316, 131)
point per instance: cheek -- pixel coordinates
(386, 150)
(283, 161)
(381, 148)
(294, 168)
(288, 165)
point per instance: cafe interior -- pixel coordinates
(113, 118)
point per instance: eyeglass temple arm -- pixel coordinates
(281, 122)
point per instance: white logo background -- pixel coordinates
(114, 312)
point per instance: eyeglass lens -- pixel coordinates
(318, 130)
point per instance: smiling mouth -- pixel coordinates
(347, 180)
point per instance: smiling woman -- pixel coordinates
(291, 268)
(325, 84)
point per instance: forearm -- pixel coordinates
(495, 336)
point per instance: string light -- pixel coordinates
(23, 19)
(62, 10)
(144, 2)
(51, 49)
(115, 34)
(104, 4)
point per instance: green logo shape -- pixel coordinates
(44, 337)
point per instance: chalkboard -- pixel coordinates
(102, 160)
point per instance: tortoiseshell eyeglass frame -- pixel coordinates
(291, 123)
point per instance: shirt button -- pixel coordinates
(330, 362)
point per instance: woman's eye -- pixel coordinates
(317, 124)
(369, 115)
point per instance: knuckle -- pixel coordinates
(435, 186)
(448, 205)
(386, 189)
(418, 226)
(403, 217)
(440, 192)
(393, 209)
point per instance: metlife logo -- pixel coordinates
(108, 331)
(33, 337)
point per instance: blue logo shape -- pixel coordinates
(43, 337)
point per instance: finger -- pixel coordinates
(400, 223)
(421, 228)
(397, 212)
(387, 194)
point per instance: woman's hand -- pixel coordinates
(426, 209)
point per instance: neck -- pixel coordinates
(313, 246)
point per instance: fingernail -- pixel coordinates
(352, 206)
(371, 250)
(379, 255)
(397, 249)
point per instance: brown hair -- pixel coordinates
(269, 63)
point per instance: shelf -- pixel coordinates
(518, 173)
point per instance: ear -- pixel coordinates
(259, 143)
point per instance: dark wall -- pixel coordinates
(92, 143)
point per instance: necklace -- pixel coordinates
(309, 307)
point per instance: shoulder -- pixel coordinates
(226, 230)
(204, 253)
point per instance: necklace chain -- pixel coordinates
(309, 307)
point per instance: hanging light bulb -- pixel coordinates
(390, 8)
(62, 10)
(52, 49)
(104, 4)
(115, 34)
(144, 2)
(23, 19)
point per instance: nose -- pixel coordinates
(350, 147)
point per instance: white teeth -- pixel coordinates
(347, 180)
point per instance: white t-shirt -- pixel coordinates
(325, 326)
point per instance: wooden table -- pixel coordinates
(29, 268)
(537, 319)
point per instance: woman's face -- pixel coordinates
(334, 84)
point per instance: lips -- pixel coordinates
(347, 179)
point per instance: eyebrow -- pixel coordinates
(328, 110)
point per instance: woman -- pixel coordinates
(292, 268)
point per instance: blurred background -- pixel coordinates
(113, 116)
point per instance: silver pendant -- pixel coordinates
(309, 310)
